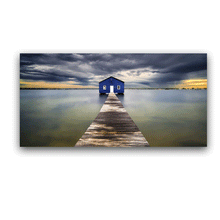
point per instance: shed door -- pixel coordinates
(111, 88)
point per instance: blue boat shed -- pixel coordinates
(111, 84)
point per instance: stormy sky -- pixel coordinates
(136, 70)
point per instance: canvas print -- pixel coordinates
(113, 100)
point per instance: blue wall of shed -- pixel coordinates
(108, 83)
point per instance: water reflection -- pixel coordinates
(171, 117)
(121, 98)
(60, 117)
(102, 98)
(56, 117)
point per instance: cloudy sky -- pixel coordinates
(136, 70)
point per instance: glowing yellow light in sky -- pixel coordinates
(51, 85)
(189, 84)
(193, 83)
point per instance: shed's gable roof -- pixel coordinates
(111, 77)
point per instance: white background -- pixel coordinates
(69, 183)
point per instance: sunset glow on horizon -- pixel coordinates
(193, 83)
(51, 85)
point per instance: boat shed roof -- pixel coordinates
(111, 77)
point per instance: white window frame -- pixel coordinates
(118, 87)
(104, 87)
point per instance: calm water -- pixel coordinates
(165, 117)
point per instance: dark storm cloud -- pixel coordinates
(87, 69)
(52, 76)
(189, 63)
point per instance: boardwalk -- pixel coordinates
(113, 127)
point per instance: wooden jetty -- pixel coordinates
(113, 127)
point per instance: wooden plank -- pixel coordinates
(113, 127)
